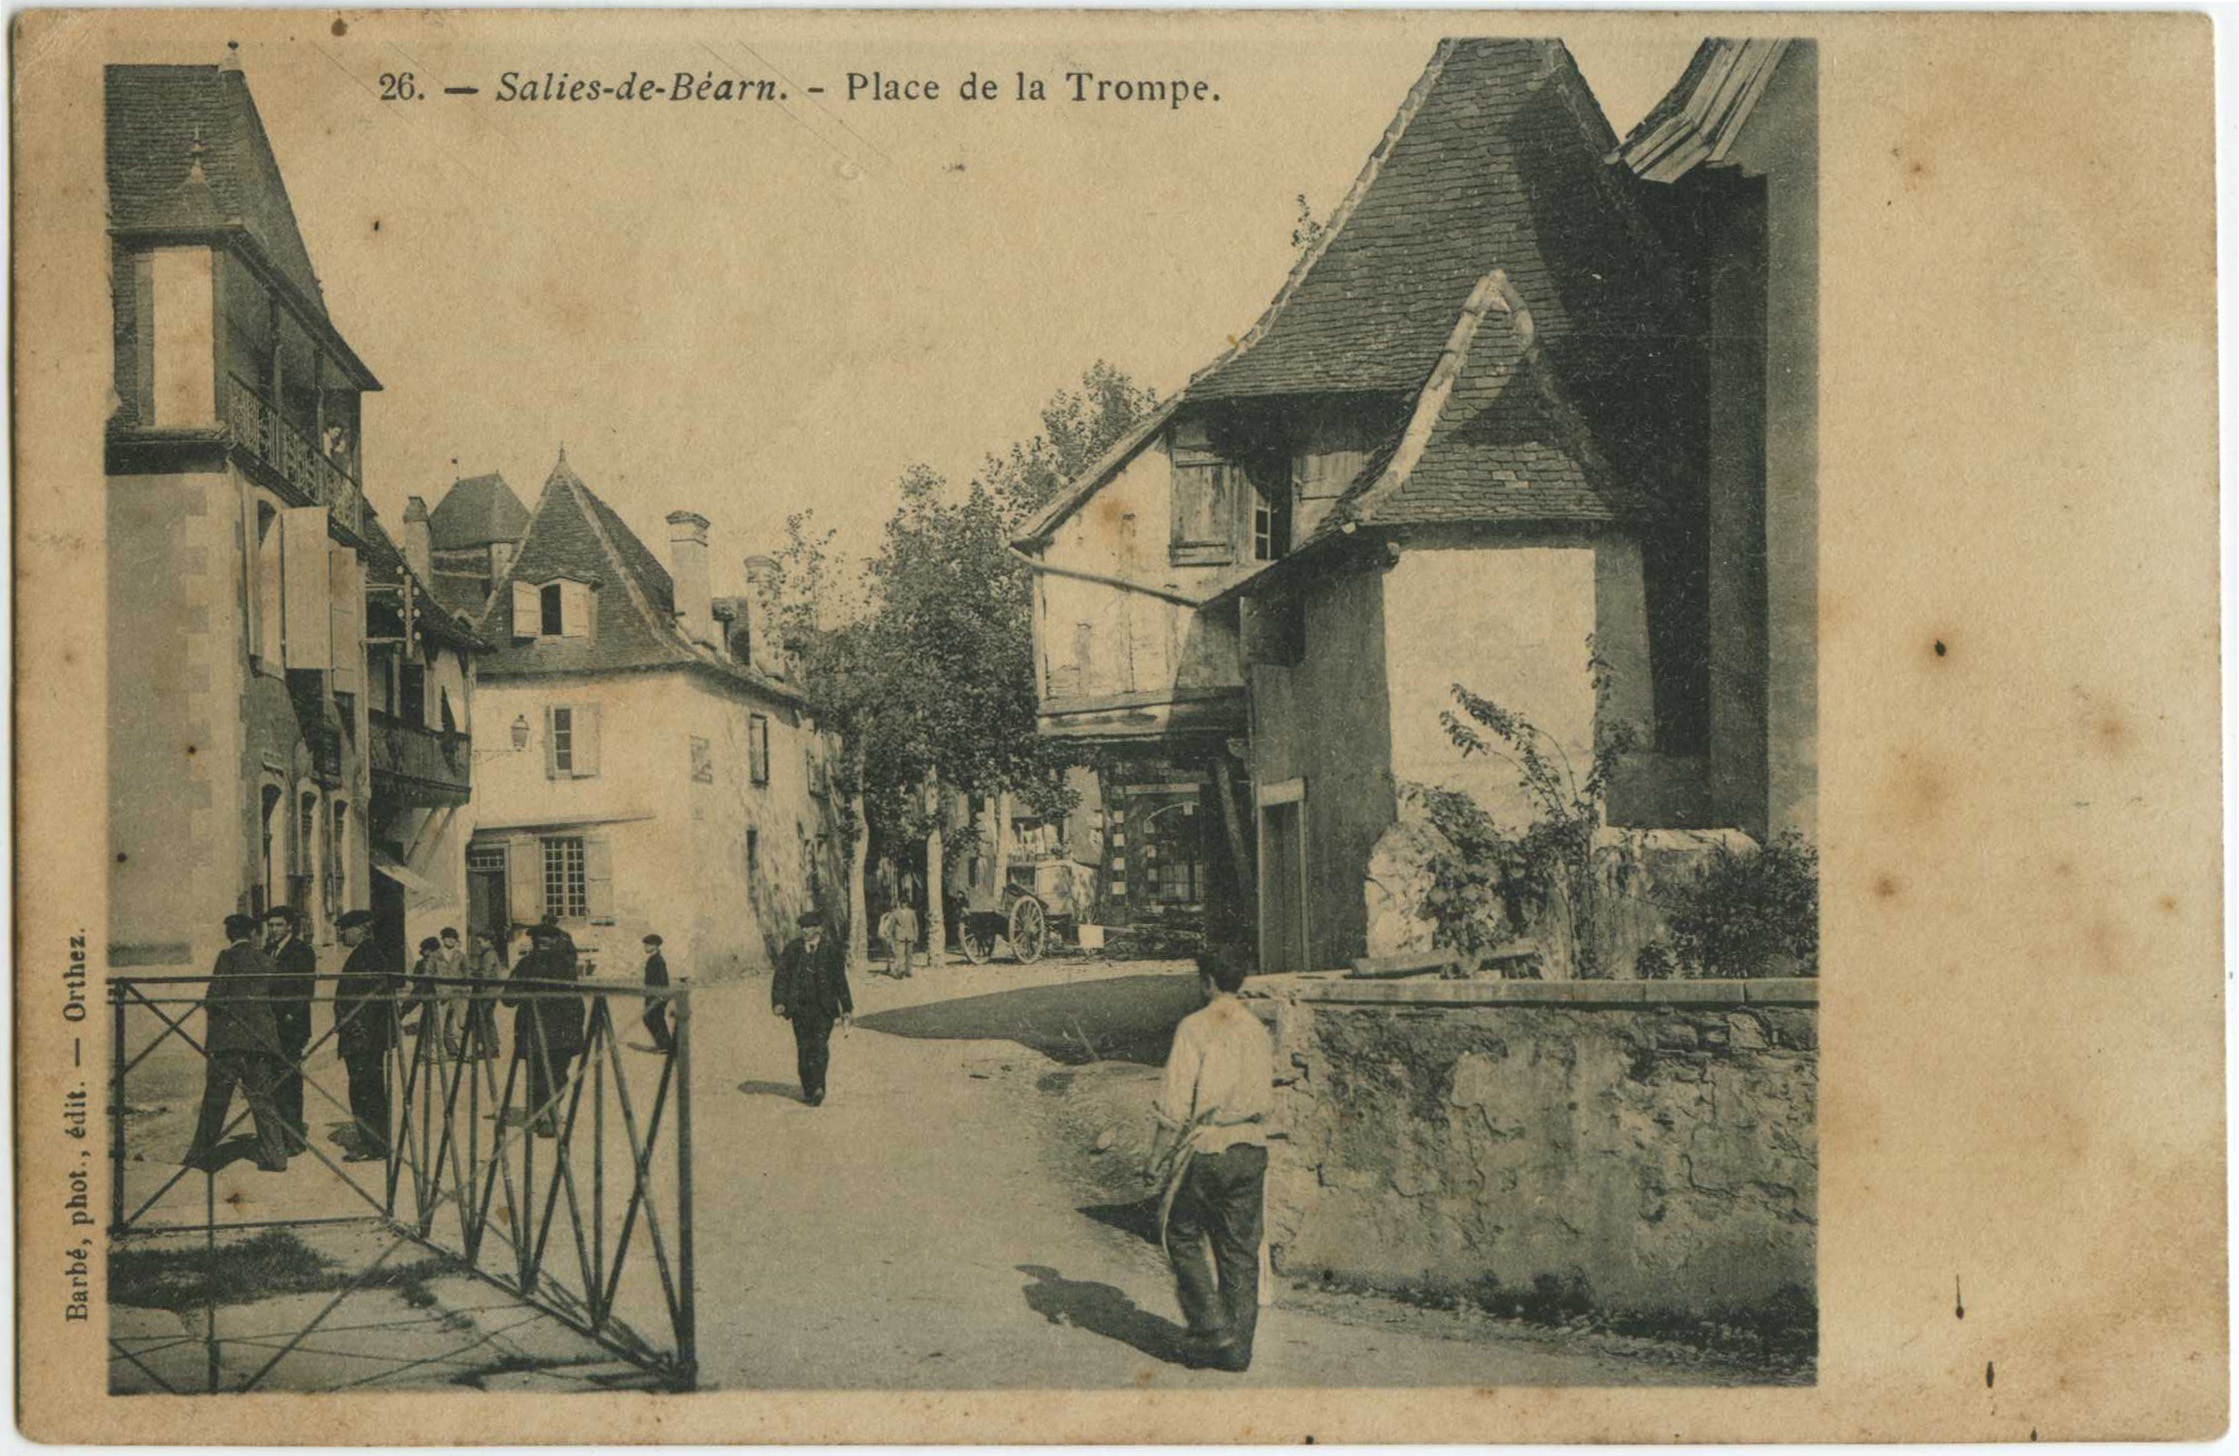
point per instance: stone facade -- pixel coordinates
(1657, 1143)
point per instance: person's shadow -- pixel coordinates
(787, 1090)
(1105, 1310)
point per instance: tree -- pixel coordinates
(929, 681)
(1307, 228)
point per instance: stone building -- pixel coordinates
(262, 628)
(1473, 440)
(651, 769)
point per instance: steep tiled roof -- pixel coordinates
(461, 593)
(1494, 161)
(574, 535)
(1493, 438)
(476, 512)
(157, 117)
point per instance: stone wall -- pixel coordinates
(1656, 1141)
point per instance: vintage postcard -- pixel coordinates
(1119, 727)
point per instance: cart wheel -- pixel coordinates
(1030, 926)
(976, 939)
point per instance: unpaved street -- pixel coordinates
(937, 1222)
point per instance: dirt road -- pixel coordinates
(936, 1223)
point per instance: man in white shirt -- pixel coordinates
(1213, 1108)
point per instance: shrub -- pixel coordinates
(1750, 909)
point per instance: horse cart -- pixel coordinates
(1009, 914)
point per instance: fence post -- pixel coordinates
(687, 1337)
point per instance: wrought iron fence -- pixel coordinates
(467, 1167)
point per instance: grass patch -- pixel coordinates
(272, 1263)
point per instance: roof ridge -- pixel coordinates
(662, 631)
(1438, 387)
(1409, 107)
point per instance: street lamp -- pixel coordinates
(520, 732)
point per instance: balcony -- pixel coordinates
(256, 426)
(418, 766)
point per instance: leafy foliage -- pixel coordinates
(1552, 861)
(1308, 227)
(1749, 910)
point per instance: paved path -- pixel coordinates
(923, 1229)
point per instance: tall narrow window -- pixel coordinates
(563, 741)
(551, 610)
(758, 747)
(566, 886)
(338, 863)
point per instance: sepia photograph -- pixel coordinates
(857, 706)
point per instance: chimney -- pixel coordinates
(763, 634)
(688, 564)
(416, 544)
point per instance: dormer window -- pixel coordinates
(552, 610)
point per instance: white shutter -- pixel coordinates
(345, 620)
(307, 630)
(524, 880)
(575, 609)
(598, 878)
(586, 756)
(528, 612)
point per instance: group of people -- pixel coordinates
(258, 1027)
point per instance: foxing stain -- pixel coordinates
(1958, 1300)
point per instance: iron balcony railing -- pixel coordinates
(256, 426)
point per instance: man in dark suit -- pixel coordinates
(547, 1027)
(365, 1022)
(810, 990)
(657, 1007)
(294, 985)
(240, 1048)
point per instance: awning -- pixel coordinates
(416, 885)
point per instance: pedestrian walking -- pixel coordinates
(657, 1007)
(241, 1048)
(1209, 1155)
(294, 985)
(547, 1025)
(365, 1028)
(487, 970)
(450, 997)
(899, 931)
(810, 990)
(428, 996)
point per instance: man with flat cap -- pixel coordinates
(657, 1007)
(241, 1048)
(294, 985)
(547, 1027)
(365, 1028)
(810, 990)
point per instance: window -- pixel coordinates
(1263, 528)
(412, 692)
(567, 892)
(267, 891)
(301, 883)
(703, 761)
(559, 608)
(1169, 854)
(758, 748)
(571, 741)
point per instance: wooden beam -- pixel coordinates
(1246, 875)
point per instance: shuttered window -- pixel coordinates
(571, 741)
